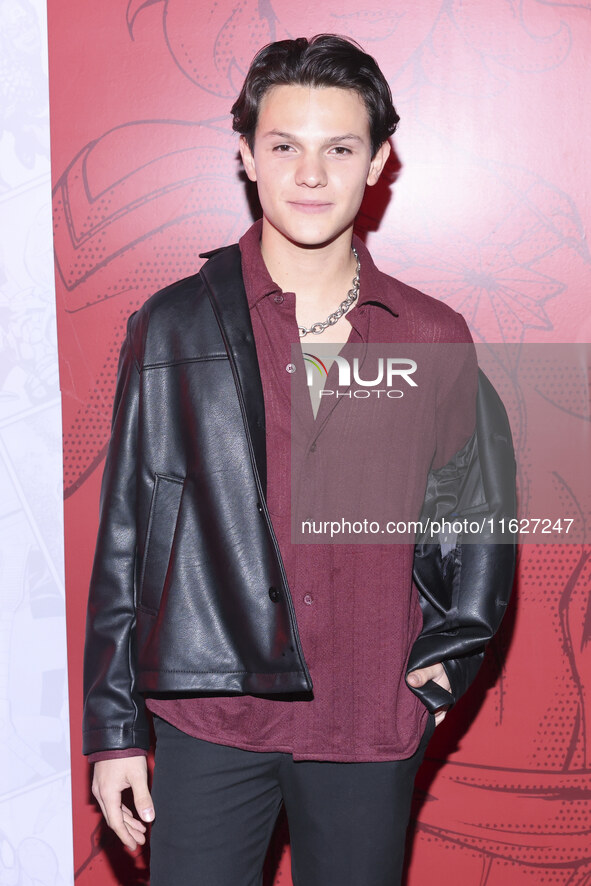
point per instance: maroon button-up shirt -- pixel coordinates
(356, 606)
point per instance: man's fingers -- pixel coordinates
(141, 797)
(434, 672)
(423, 675)
(128, 817)
(417, 678)
(133, 829)
(113, 813)
(121, 820)
(110, 779)
(131, 821)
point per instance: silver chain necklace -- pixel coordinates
(342, 309)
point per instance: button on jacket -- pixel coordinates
(189, 592)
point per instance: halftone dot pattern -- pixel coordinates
(85, 441)
(140, 182)
(122, 243)
(86, 436)
(235, 35)
(533, 822)
(486, 870)
(543, 584)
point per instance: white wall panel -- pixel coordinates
(35, 799)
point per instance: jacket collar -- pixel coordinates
(222, 275)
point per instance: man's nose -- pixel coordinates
(311, 172)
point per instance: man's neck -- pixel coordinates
(319, 276)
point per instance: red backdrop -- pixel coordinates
(486, 208)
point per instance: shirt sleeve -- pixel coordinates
(116, 755)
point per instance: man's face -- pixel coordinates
(311, 162)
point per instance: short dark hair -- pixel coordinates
(321, 61)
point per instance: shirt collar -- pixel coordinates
(257, 280)
(375, 288)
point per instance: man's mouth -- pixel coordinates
(310, 205)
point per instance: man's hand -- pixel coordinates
(436, 673)
(110, 779)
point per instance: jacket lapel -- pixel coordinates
(222, 275)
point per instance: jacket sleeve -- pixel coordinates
(114, 714)
(464, 587)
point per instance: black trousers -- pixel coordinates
(216, 807)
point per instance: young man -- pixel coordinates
(277, 672)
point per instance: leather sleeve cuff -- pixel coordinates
(114, 738)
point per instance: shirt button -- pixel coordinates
(290, 367)
(313, 447)
(278, 299)
(274, 594)
(308, 599)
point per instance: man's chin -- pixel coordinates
(304, 238)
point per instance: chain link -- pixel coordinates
(352, 295)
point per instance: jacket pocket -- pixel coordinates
(164, 511)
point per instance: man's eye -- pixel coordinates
(341, 150)
(282, 149)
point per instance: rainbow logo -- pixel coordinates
(312, 362)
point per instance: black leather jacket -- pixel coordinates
(188, 590)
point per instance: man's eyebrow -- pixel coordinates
(333, 140)
(349, 137)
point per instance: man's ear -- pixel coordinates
(247, 159)
(378, 162)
